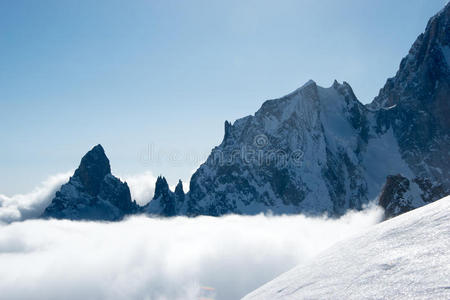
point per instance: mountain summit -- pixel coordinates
(93, 168)
(92, 193)
(299, 153)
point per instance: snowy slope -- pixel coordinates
(407, 257)
(299, 153)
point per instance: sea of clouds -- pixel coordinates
(151, 258)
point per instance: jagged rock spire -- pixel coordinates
(227, 130)
(179, 192)
(161, 187)
(94, 166)
(165, 197)
(92, 193)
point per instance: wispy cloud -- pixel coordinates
(31, 205)
(142, 186)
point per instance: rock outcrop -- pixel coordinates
(92, 193)
(396, 197)
(165, 202)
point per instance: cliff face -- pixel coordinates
(92, 193)
(416, 105)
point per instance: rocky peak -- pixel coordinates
(92, 193)
(439, 26)
(164, 202)
(227, 130)
(94, 166)
(427, 62)
(309, 90)
(179, 192)
(161, 187)
(345, 89)
(281, 158)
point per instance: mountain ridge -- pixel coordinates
(320, 150)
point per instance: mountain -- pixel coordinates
(92, 193)
(406, 257)
(415, 105)
(299, 153)
(320, 150)
(314, 151)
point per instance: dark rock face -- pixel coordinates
(179, 193)
(165, 202)
(416, 105)
(92, 193)
(93, 168)
(395, 197)
(165, 196)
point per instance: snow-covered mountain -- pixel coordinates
(320, 150)
(316, 150)
(406, 257)
(92, 193)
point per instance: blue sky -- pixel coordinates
(163, 76)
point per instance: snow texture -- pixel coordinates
(406, 257)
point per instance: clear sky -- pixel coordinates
(154, 81)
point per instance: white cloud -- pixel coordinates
(33, 204)
(142, 186)
(144, 258)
